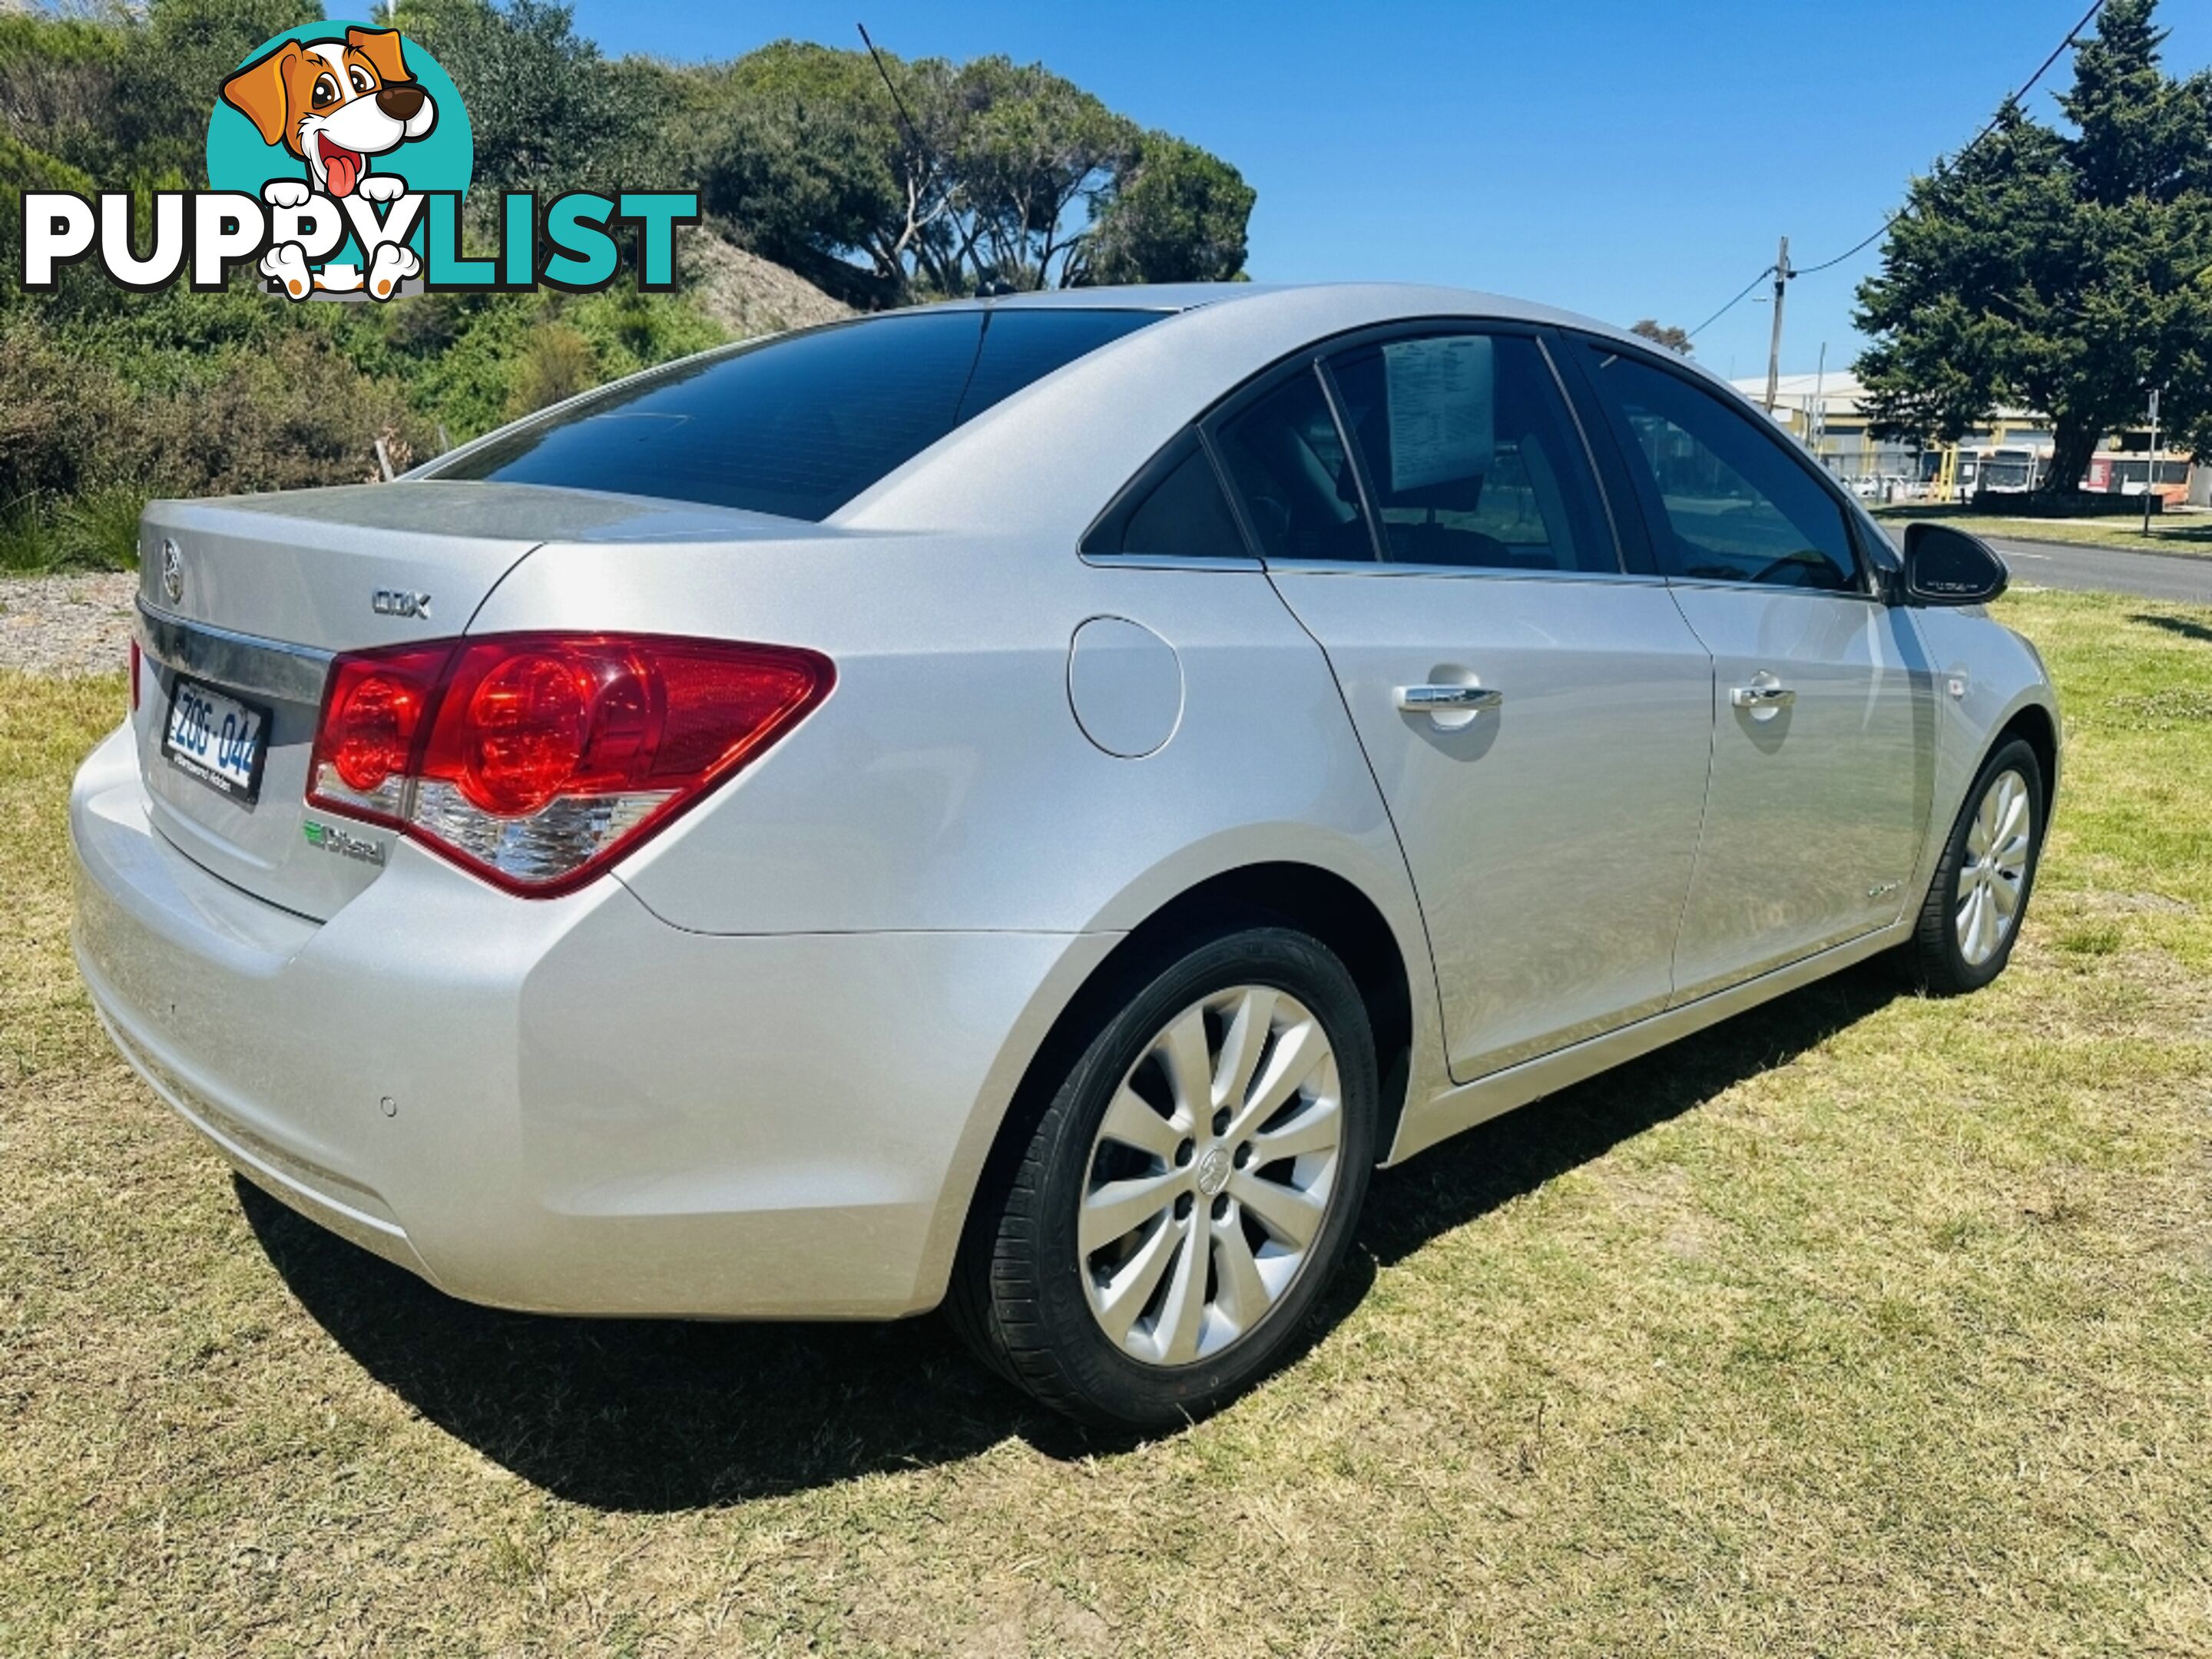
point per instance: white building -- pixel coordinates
(1825, 412)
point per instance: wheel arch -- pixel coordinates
(1324, 902)
(2038, 727)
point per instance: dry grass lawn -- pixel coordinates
(1864, 1324)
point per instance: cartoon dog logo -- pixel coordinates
(336, 105)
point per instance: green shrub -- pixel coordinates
(60, 413)
(95, 531)
(629, 330)
(99, 530)
(26, 545)
(297, 415)
(556, 362)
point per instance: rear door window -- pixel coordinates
(1287, 460)
(801, 425)
(1176, 509)
(1472, 457)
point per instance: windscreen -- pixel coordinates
(799, 426)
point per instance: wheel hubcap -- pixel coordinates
(1994, 875)
(1211, 1175)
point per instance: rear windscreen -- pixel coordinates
(798, 426)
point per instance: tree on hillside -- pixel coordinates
(1026, 149)
(189, 48)
(808, 157)
(921, 178)
(1177, 214)
(1665, 334)
(2063, 271)
(548, 112)
(120, 102)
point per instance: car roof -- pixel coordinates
(1418, 300)
(1132, 296)
(1042, 464)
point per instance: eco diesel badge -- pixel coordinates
(395, 602)
(332, 840)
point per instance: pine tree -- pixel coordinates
(2066, 271)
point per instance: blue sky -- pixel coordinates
(1623, 160)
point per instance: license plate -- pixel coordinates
(216, 739)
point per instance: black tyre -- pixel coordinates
(1979, 898)
(1156, 1245)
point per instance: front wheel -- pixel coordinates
(1189, 1190)
(1971, 915)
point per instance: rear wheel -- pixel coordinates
(1974, 907)
(1189, 1191)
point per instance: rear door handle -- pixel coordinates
(1447, 699)
(1762, 697)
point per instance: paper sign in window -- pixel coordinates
(1440, 398)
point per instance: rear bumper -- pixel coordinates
(568, 1105)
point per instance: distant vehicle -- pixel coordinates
(1884, 487)
(1960, 472)
(1024, 803)
(2009, 471)
(2130, 472)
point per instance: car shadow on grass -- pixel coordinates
(1474, 1173)
(656, 1415)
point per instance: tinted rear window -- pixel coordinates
(799, 426)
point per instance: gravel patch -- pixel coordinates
(66, 625)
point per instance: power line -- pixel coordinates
(2042, 69)
(1732, 304)
(1881, 230)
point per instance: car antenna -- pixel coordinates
(912, 132)
(988, 287)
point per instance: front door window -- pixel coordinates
(1732, 504)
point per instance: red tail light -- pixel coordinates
(135, 657)
(372, 717)
(537, 759)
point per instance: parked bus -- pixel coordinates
(1960, 472)
(2128, 472)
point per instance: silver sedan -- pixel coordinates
(1023, 804)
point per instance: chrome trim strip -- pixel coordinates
(1170, 561)
(240, 662)
(1489, 573)
(1858, 593)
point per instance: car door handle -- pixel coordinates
(1447, 699)
(1762, 697)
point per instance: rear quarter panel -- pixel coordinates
(945, 783)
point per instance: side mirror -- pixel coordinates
(1944, 566)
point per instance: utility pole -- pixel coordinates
(1782, 275)
(2150, 467)
(1816, 421)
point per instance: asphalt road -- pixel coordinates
(2109, 570)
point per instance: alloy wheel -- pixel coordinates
(1993, 876)
(1210, 1177)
